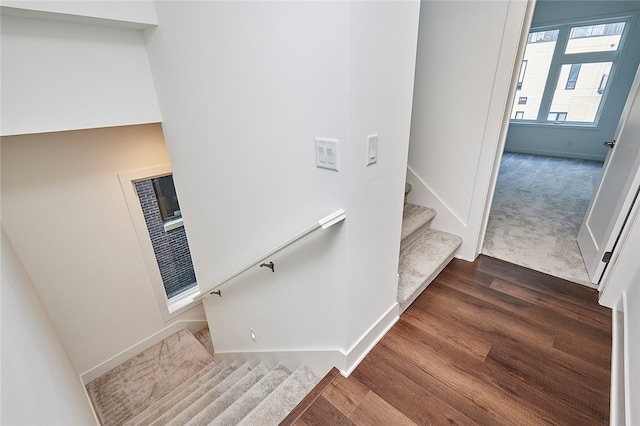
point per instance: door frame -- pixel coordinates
(495, 151)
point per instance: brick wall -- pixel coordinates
(171, 248)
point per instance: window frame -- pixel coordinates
(560, 58)
(177, 305)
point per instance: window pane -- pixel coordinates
(557, 116)
(537, 60)
(167, 198)
(543, 36)
(595, 38)
(582, 101)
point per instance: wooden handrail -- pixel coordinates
(323, 223)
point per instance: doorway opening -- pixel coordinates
(569, 85)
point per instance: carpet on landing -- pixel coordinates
(131, 387)
(538, 207)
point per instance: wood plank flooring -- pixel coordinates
(487, 343)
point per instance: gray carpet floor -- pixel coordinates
(537, 210)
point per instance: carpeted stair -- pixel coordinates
(178, 382)
(424, 252)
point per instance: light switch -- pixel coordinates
(327, 153)
(372, 149)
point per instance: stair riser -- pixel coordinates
(409, 239)
(425, 284)
(422, 261)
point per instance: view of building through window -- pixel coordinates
(565, 71)
(161, 211)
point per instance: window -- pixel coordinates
(523, 69)
(573, 76)
(583, 100)
(543, 36)
(155, 212)
(595, 38)
(159, 204)
(603, 83)
(557, 116)
(565, 72)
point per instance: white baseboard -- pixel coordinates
(354, 356)
(89, 403)
(617, 401)
(319, 360)
(97, 371)
(547, 153)
(323, 360)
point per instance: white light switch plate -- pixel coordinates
(372, 149)
(327, 153)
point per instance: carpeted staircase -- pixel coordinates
(424, 252)
(178, 382)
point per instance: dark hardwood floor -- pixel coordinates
(487, 343)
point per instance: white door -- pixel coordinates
(616, 191)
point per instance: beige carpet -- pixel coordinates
(537, 210)
(204, 337)
(134, 385)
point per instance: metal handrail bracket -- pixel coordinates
(323, 223)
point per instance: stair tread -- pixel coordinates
(415, 220)
(214, 408)
(424, 259)
(186, 393)
(251, 398)
(202, 397)
(279, 403)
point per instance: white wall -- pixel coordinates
(134, 14)
(382, 50)
(259, 81)
(39, 384)
(257, 85)
(66, 76)
(64, 211)
(586, 143)
(457, 122)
